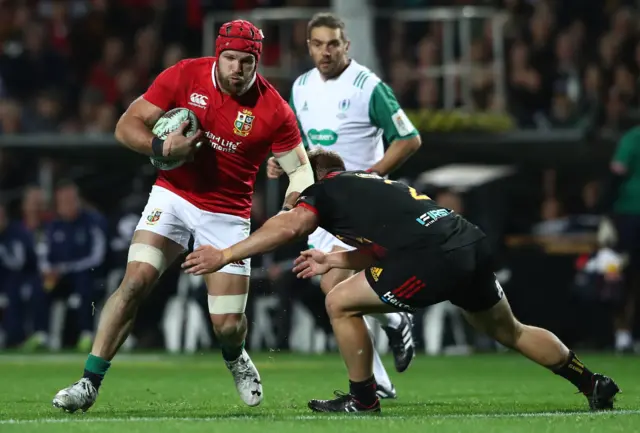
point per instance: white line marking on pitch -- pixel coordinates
(88, 419)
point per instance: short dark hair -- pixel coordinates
(326, 19)
(324, 161)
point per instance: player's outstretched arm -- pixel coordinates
(134, 127)
(354, 259)
(277, 231)
(314, 262)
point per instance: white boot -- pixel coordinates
(247, 379)
(80, 395)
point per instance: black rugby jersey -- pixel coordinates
(372, 213)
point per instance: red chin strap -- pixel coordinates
(240, 35)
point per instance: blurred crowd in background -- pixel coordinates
(74, 66)
(569, 64)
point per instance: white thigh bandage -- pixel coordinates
(227, 304)
(147, 254)
(296, 164)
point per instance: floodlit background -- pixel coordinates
(520, 104)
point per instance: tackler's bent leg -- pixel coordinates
(346, 305)
(328, 282)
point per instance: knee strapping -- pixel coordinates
(147, 254)
(227, 304)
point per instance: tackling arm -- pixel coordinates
(277, 231)
(296, 164)
(355, 259)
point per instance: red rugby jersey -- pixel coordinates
(241, 131)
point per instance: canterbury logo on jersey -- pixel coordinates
(198, 100)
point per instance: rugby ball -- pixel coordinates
(169, 122)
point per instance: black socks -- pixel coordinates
(364, 392)
(575, 372)
(232, 353)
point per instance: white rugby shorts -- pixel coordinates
(173, 217)
(324, 241)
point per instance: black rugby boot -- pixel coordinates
(343, 403)
(602, 395)
(401, 342)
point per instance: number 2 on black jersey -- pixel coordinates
(412, 191)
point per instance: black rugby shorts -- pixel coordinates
(412, 280)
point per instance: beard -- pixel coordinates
(232, 87)
(236, 86)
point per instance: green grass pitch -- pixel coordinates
(164, 393)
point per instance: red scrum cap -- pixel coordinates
(240, 35)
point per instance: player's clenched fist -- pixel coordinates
(178, 146)
(274, 170)
(204, 260)
(311, 263)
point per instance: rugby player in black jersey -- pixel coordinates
(411, 253)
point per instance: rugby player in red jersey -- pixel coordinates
(243, 119)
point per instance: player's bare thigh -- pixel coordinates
(335, 276)
(355, 296)
(225, 284)
(149, 255)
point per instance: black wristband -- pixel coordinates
(157, 146)
(286, 208)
